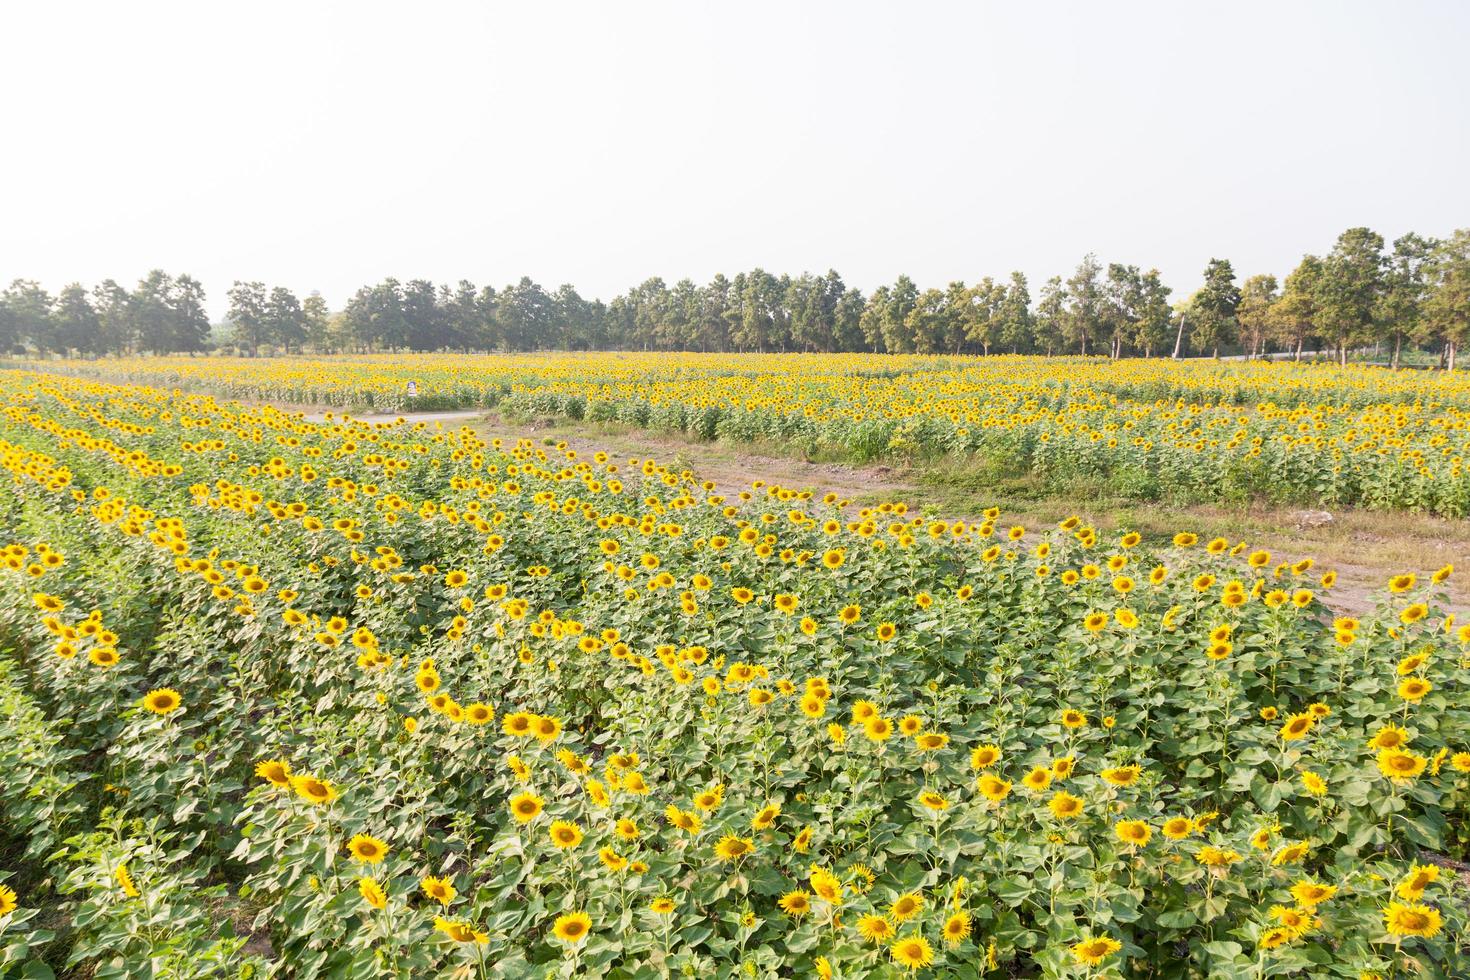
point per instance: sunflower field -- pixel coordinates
(1305, 434)
(390, 699)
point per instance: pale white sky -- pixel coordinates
(326, 145)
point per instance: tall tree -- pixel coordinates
(1405, 284)
(1348, 289)
(1446, 309)
(188, 320)
(927, 322)
(1051, 316)
(76, 325)
(1212, 308)
(116, 332)
(1294, 315)
(902, 298)
(1258, 299)
(1084, 304)
(1153, 312)
(1015, 315)
(247, 313)
(284, 320)
(25, 314)
(316, 319)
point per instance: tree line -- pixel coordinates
(1411, 295)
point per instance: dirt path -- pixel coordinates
(1363, 547)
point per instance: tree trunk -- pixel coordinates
(1179, 339)
(1300, 341)
(1398, 340)
(1452, 355)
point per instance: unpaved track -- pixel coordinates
(732, 469)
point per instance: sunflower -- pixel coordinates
(875, 928)
(1072, 718)
(912, 952)
(1134, 833)
(886, 632)
(661, 906)
(1297, 726)
(1411, 920)
(367, 849)
(1400, 766)
(956, 928)
(1420, 877)
(1314, 784)
(1094, 949)
(1389, 737)
(1290, 854)
(572, 927)
(1065, 806)
(1277, 936)
(910, 725)
(525, 807)
(1414, 688)
(826, 885)
(1177, 828)
(460, 932)
(125, 881)
(1038, 779)
(440, 890)
(565, 834)
(313, 790)
(930, 741)
(733, 848)
(1123, 775)
(906, 906)
(878, 729)
(164, 701)
(796, 903)
(1310, 894)
(984, 756)
(372, 893)
(993, 788)
(275, 771)
(931, 800)
(765, 817)
(8, 902)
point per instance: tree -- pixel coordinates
(1051, 316)
(316, 321)
(1257, 301)
(247, 313)
(188, 321)
(1212, 308)
(1122, 298)
(1294, 315)
(1153, 312)
(902, 298)
(847, 330)
(75, 323)
(1014, 315)
(927, 322)
(285, 323)
(25, 314)
(116, 332)
(875, 313)
(1446, 309)
(1348, 289)
(1405, 285)
(1084, 310)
